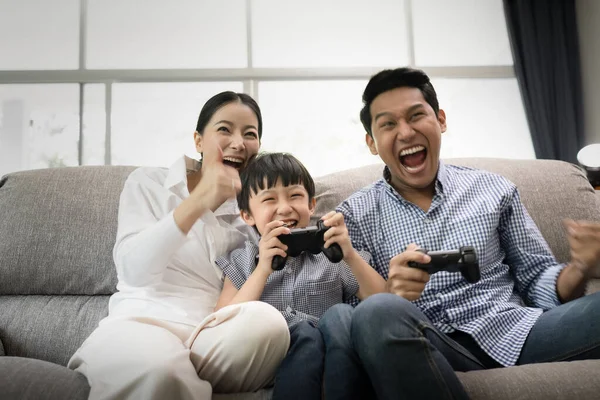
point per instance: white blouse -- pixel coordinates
(162, 272)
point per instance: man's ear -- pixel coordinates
(442, 120)
(198, 141)
(371, 143)
(312, 205)
(248, 219)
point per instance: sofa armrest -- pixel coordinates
(1, 349)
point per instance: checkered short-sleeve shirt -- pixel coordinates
(303, 290)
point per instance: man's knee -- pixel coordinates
(382, 312)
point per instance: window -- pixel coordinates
(39, 34)
(39, 126)
(333, 33)
(145, 70)
(155, 34)
(154, 123)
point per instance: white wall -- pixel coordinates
(588, 18)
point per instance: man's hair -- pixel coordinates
(268, 168)
(390, 79)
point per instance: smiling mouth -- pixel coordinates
(233, 162)
(413, 158)
(290, 224)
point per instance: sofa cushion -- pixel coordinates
(23, 379)
(550, 190)
(555, 381)
(57, 230)
(49, 328)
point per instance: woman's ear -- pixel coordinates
(198, 142)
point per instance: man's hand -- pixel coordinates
(270, 246)
(218, 182)
(405, 281)
(337, 233)
(584, 241)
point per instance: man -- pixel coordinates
(407, 344)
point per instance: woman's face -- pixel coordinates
(234, 127)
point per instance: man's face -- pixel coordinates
(407, 137)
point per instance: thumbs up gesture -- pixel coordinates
(218, 181)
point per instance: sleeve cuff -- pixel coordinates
(546, 295)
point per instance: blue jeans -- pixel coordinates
(300, 375)
(386, 348)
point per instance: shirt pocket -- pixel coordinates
(479, 231)
(322, 295)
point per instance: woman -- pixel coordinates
(161, 339)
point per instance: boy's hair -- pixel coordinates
(269, 168)
(390, 79)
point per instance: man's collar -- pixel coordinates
(441, 180)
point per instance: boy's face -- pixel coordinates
(289, 204)
(407, 137)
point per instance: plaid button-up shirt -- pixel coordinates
(470, 208)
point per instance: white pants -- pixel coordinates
(236, 349)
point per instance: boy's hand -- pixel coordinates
(584, 241)
(337, 233)
(405, 281)
(270, 246)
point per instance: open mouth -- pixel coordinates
(233, 162)
(413, 158)
(290, 223)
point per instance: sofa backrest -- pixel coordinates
(58, 228)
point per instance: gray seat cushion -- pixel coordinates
(25, 378)
(556, 381)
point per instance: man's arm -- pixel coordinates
(584, 241)
(532, 264)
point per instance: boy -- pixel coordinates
(278, 195)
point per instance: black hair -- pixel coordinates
(219, 100)
(390, 79)
(269, 168)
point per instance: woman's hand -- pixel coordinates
(218, 182)
(270, 246)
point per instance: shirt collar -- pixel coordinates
(441, 180)
(177, 175)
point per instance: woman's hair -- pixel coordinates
(268, 168)
(221, 99)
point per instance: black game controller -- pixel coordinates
(307, 239)
(463, 260)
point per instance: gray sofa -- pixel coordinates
(57, 230)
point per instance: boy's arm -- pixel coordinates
(251, 289)
(369, 280)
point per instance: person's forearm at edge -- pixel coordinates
(571, 283)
